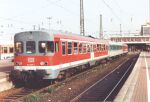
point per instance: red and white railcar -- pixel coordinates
(53, 53)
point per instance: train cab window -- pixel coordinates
(46, 47)
(63, 48)
(18, 47)
(69, 47)
(75, 44)
(56, 46)
(11, 49)
(5, 50)
(30, 47)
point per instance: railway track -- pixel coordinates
(20, 94)
(107, 88)
(24, 92)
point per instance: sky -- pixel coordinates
(23, 15)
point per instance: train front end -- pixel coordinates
(34, 51)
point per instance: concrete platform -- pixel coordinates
(5, 63)
(5, 68)
(137, 86)
(6, 85)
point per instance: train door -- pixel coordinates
(57, 56)
(92, 51)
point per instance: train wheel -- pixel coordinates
(87, 65)
(15, 77)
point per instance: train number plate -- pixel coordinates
(30, 60)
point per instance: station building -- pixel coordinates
(137, 43)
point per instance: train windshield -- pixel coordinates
(30, 47)
(18, 47)
(46, 46)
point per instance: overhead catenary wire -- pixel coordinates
(56, 3)
(13, 19)
(111, 10)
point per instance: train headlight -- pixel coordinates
(18, 63)
(43, 63)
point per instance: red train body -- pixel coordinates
(53, 53)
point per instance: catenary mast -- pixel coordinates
(82, 32)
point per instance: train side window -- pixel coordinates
(56, 46)
(5, 50)
(112, 47)
(63, 48)
(30, 47)
(88, 48)
(11, 49)
(69, 47)
(98, 47)
(84, 48)
(101, 47)
(75, 48)
(80, 48)
(104, 47)
(18, 47)
(92, 48)
(95, 49)
(116, 47)
(2, 49)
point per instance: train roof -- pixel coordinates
(70, 36)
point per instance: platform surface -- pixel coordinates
(137, 86)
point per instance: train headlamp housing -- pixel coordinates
(18, 63)
(43, 63)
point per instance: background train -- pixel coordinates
(41, 55)
(6, 51)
